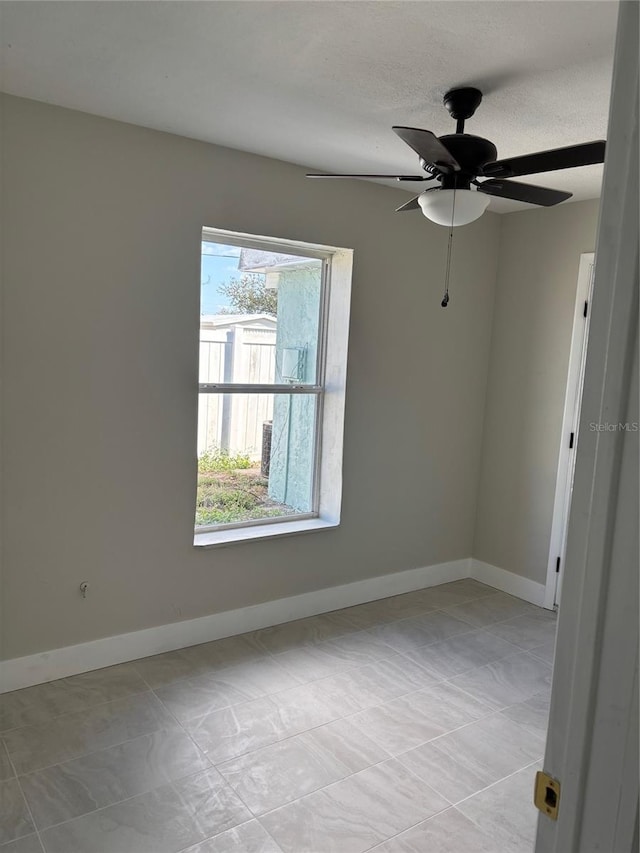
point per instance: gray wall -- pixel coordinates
(101, 268)
(535, 298)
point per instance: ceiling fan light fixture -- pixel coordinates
(437, 205)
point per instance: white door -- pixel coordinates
(569, 439)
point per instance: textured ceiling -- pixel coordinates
(320, 83)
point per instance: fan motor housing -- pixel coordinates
(471, 152)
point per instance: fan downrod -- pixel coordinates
(462, 104)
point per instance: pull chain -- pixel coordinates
(445, 298)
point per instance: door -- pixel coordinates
(569, 439)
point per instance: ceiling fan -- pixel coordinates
(458, 159)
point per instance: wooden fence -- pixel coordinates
(233, 422)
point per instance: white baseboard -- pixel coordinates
(72, 660)
(508, 582)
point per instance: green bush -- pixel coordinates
(230, 516)
(216, 460)
(236, 499)
(215, 516)
(230, 490)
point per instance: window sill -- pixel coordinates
(218, 538)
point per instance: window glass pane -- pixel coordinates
(259, 316)
(256, 456)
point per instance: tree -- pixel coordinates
(248, 295)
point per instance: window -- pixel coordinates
(272, 369)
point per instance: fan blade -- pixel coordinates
(428, 146)
(547, 161)
(523, 192)
(388, 177)
(410, 205)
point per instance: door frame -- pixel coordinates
(592, 742)
(570, 421)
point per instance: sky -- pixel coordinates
(219, 264)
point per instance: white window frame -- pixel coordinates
(329, 391)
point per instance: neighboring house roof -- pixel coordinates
(218, 321)
(256, 260)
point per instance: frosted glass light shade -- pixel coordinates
(437, 205)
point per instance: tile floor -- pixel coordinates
(406, 725)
